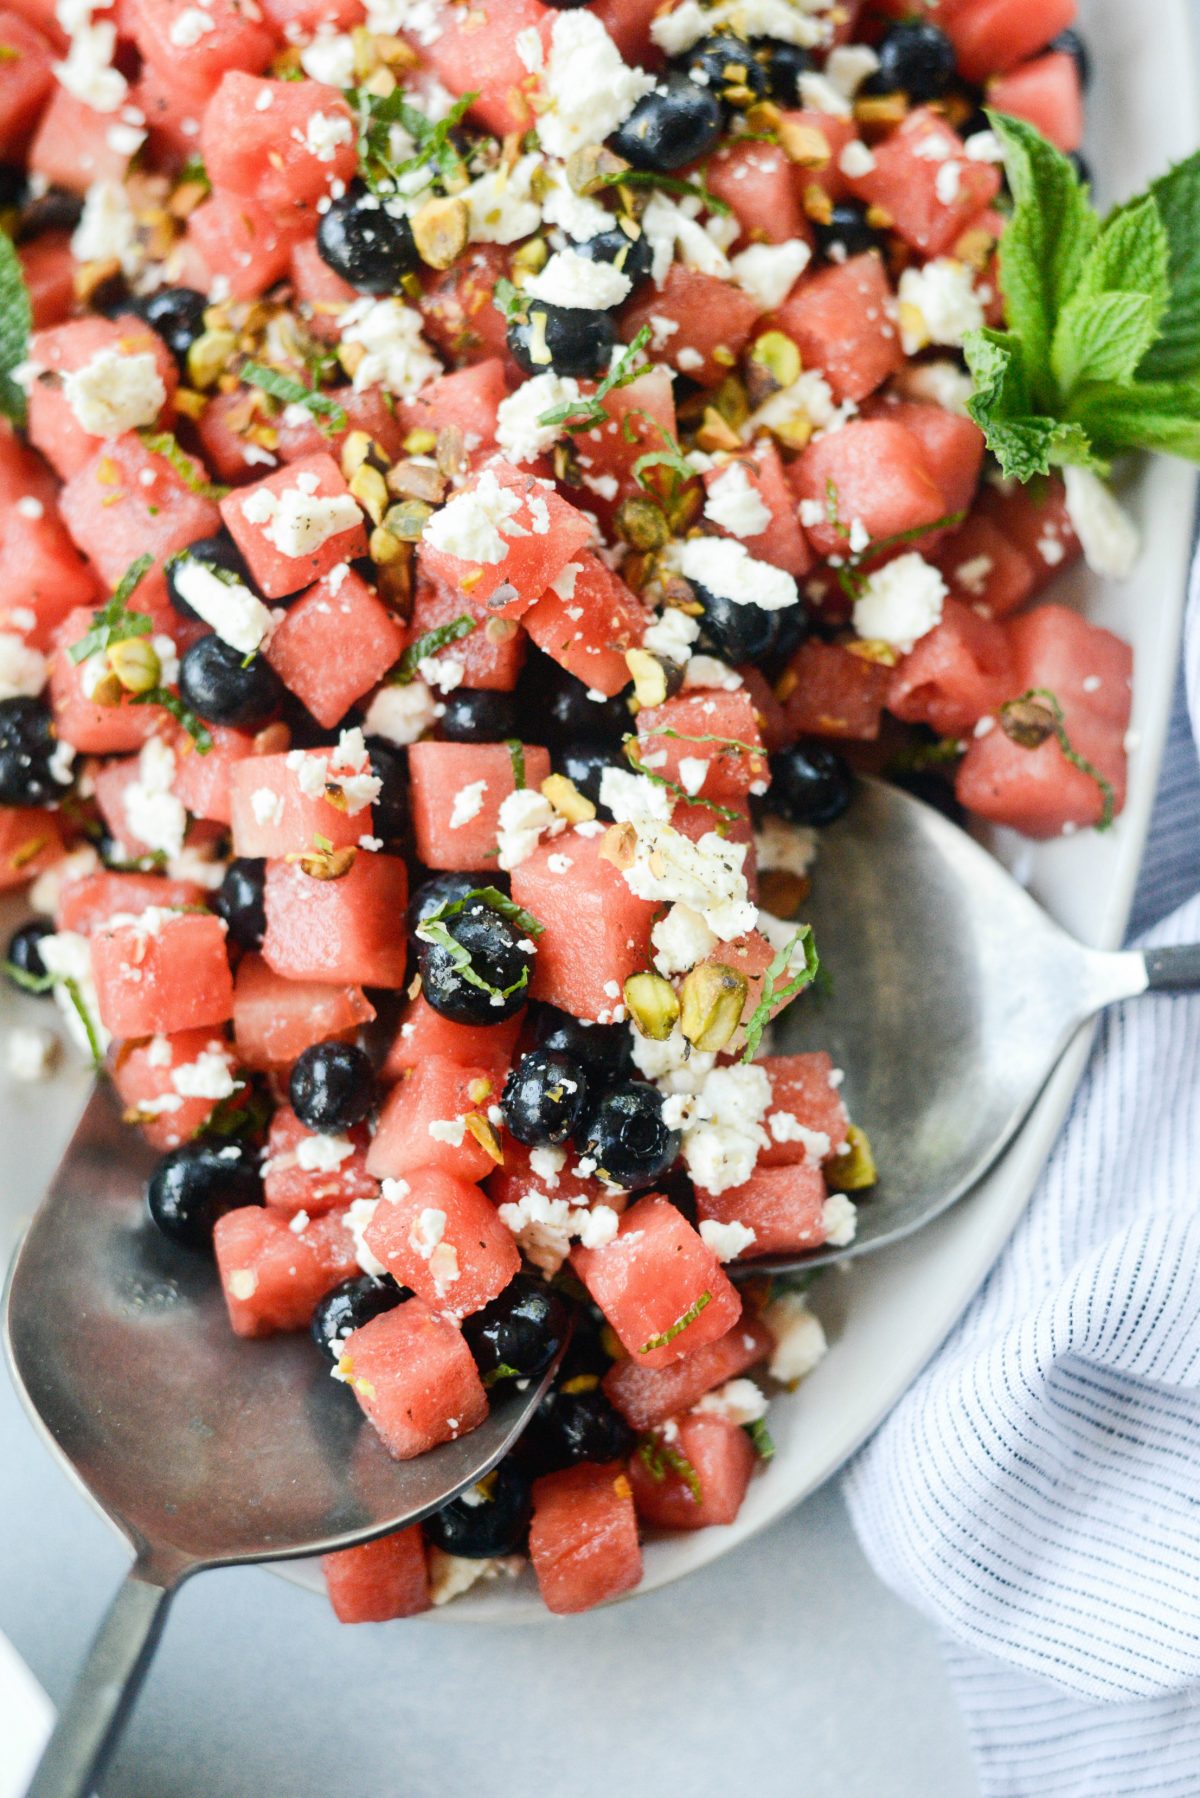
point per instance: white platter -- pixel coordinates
(887, 1314)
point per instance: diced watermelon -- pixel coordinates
(880, 477)
(457, 306)
(992, 35)
(648, 1396)
(167, 972)
(65, 349)
(1047, 93)
(49, 271)
(802, 1089)
(456, 792)
(30, 841)
(342, 930)
(641, 419)
(413, 1375)
(466, 398)
(491, 656)
(336, 642)
(423, 1032)
(271, 816)
(509, 1183)
(959, 670)
(1038, 791)
(424, 1122)
(711, 741)
(280, 143)
(92, 899)
(443, 1239)
(127, 501)
(43, 577)
(380, 1580)
(87, 726)
(583, 1539)
(537, 536)
(366, 409)
(696, 821)
(23, 475)
(780, 542)
(984, 569)
(321, 295)
(297, 21)
(758, 182)
(247, 243)
(1086, 668)
(784, 1206)
(713, 321)
(721, 1458)
(655, 1273)
(25, 82)
(326, 1177)
(819, 175)
(828, 692)
(1036, 521)
(587, 621)
(627, 23)
(475, 52)
(772, 720)
(951, 445)
(595, 932)
(750, 956)
(272, 1275)
(144, 1074)
(237, 39)
(76, 145)
(202, 782)
(322, 532)
(909, 181)
(275, 1020)
(843, 321)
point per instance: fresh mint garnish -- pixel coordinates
(44, 983)
(294, 393)
(435, 148)
(584, 414)
(16, 322)
(183, 715)
(428, 645)
(777, 991)
(165, 444)
(679, 1326)
(114, 622)
(516, 755)
(660, 1457)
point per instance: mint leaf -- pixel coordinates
(1148, 415)
(1113, 317)
(294, 393)
(1176, 354)
(428, 645)
(16, 322)
(778, 992)
(114, 622)
(1024, 441)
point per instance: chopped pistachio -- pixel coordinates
(135, 663)
(712, 999)
(641, 523)
(208, 356)
(566, 798)
(778, 356)
(370, 490)
(407, 520)
(649, 677)
(653, 1004)
(486, 1135)
(854, 1169)
(420, 442)
(440, 229)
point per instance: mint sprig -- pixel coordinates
(776, 991)
(433, 929)
(294, 393)
(114, 622)
(1101, 353)
(16, 322)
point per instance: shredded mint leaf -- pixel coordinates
(193, 173)
(45, 983)
(16, 322)
(724, 814)
(435, 148)
(760, 1438)
(171, 702)
(165, 444)
(516, 755)
(585, 413)
(114, 622)
(776, 993)
(509, 300)
(428, 645)
(679, 1326)
(433, 930)
(294, 393)
(1176, 353)
(1042, 696)
(503, 1372)
(29, 983)
(660, 1457)
(668, 184)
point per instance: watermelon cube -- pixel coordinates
(193, 62)
(413, 1375)
(367, 409)
(295, 525)
(424, 1122)
(721, 1457)
(377, 1581)
(1087, 669)
(55, 426)
(959, 670)
(271, 814)
(807, 1120)
(76, 145)
(506, 535)
(170, 1084)
(788, 1208)
(1047, 93)
(659, 1285)
(586, 621)
(305, 1171)
(710, 741)
(627, 23)
(457, 308)
(127, 502)
(346, 929)
(952, 447)
(758, 182)
(282, 144)
(1038, 791)
(818, 176)
(583, 1539)
(336, 642)
(26, 80)
(247, 244)
(984, 569)
(456, 790)
(30, 842)
(993, 35)
(648, 1396)
(42, 575)
(162, 973)
(440, 1236)
(321, 296)
(923, 179)
(711, 319)
(778, 538)
(595, 933)
(843, 321)
(81, 721)
(92, 899)
(23, 475)
(202, 782)
(48, 269)
(491, 655)
(423, 1032)
(641, 418)
(1035, 520)
(467, 399)
(879, 476)
(475, 53)
(275, 1020)
(829, 692)
(272, 1275)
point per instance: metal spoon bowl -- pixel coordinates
(952, 998)
(203, 1450)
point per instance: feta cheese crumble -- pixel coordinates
(769, 271)
(113, 392)
(474, 524)
(727, 1241)
(299, 520)
(735, 503)
(900, 602)
(590, 88)
(570, 279)
(397, 356)
(1111, 540)
(237, 616)
(939, 303)
(155, 816)
(468, 803)
(518, 431)
(725, 568)
(799, 1338)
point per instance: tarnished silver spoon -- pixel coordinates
(952, 998)
(203, 1450)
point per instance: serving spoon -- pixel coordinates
(952, 998)
(204, 1450)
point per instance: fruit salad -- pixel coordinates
(479, 478)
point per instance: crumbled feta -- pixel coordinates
(631, 798)
(107, 229)
(546, 1164)
(726, 570)
(940, 383)
(30, 1052)
(576, 215)
(735, 503)
(468, 803)
(115, 392)
(529, 47)
(671, 225)
(799, 1338)
(208, 1076)
(671, 634)
(299, 520)
(155, 816)
(722, 1146)
(738, 1401)
(329, 58)
(938, 304)
(357, 1217)
(443, 672)
(397, 357)
(523, 818)
(570, 279)
(848, 65)
(590, 88)
(452, 1575)
(693, 772)
(500, 203)
(709, 671)
(321, 1154)
(44, 894)
(856, 159)
(819, 94)
(785, 1127)
(22, 670)
(794, 21)
(88, 73)
(727, 1241)
(839, 1220)
(706, 875)
(189, 26)
(1111, 540)
(266, 805)
(681, 940)
(900, 602)
(324, 134)
(519, 434)
(769, 271)
(474, 523)
(237, 616)
(402, 715)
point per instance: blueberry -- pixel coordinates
(579, 1425)
(24, 951)
(562, 340)
(739, 633)
(216, 681)
(571, 713)
(627, 1138)
(915, 58)
(350, 1305)
(332, 1086)
(493, 945)
(218, 551)
(784, 65)
(176, 314)
(847, 233)
(632, 255)
(14, 186)
(198, 1183)
(1071, 44)
(545, 1097)
(520, 1330)
(27, 743)
(673, 124)
(475, 715)
(364, 243)
(488, 1519)
(809, 784)
(239, 900)
(725, 66)
(584, 763)
(444, 889)
(390, 815)
(603, 1049)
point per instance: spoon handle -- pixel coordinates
(92, 1718)
(1173, 970)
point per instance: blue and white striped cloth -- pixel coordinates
(1037, 1492)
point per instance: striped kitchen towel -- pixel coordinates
(1037, 1491)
